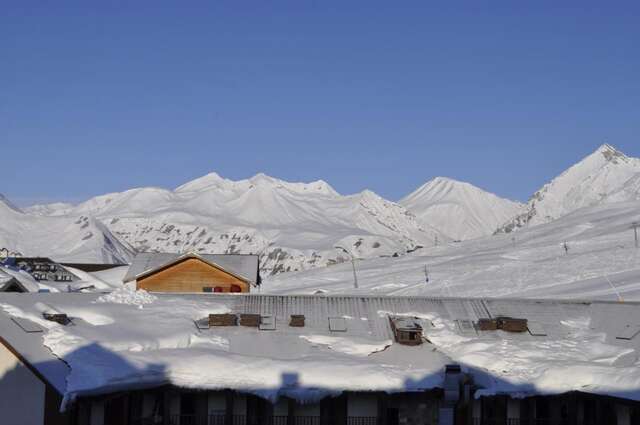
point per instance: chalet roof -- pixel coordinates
(242, 265)
(129, 339)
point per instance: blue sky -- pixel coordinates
(381, 95)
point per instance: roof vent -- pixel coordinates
(252, 320)
(297, 320)
(52, 314)
(223, 320)
(406, 330)
(267, 323)
(508, 324)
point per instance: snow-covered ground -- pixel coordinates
(600, 263)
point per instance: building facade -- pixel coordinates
(194, 273)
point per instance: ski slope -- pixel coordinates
(601, 263)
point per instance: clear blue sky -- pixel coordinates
(104, 96)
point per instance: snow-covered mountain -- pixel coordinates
(77, 238)
(460, 210)
(601, 262)
(293, 226)
(605, 176)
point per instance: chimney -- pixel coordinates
(452, 380)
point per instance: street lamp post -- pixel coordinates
(353, 265)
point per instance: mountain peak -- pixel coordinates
(606, 175)
(610, 153)
(460, 210)
(212, 179)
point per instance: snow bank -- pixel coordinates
(127, 294)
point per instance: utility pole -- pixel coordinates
(353, 265)
(635, 226)
(436, 240)
(426, 274)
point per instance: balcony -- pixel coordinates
(251, 420)
(538, 421)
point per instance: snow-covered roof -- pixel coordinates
(244, 266)
(30, 346)
(24, 279)
(130, 339)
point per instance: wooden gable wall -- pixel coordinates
(190, 275)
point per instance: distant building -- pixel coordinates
(192, 272)
(42, 269)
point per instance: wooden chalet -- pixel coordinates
(192, 272)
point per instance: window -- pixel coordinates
(217, 289)
(207, 289)
(236, 288)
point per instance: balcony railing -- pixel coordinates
(538, 421)
(252, 420)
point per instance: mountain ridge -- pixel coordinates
(606, 175)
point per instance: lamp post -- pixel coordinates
(353, 265)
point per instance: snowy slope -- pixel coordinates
(294, 226)
(600, 262)
(76, 238)
(605, 176)
(460, 210)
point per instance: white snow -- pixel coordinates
(605, 176)
(74, 237)
(460, 210)
(127, 294)
(293, 226)
(114, 345)
(602, 262)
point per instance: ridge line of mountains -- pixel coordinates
(296, 226)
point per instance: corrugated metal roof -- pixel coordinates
(245, 266)
(365, 318)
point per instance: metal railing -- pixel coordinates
(514, 421)
(256, 420)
